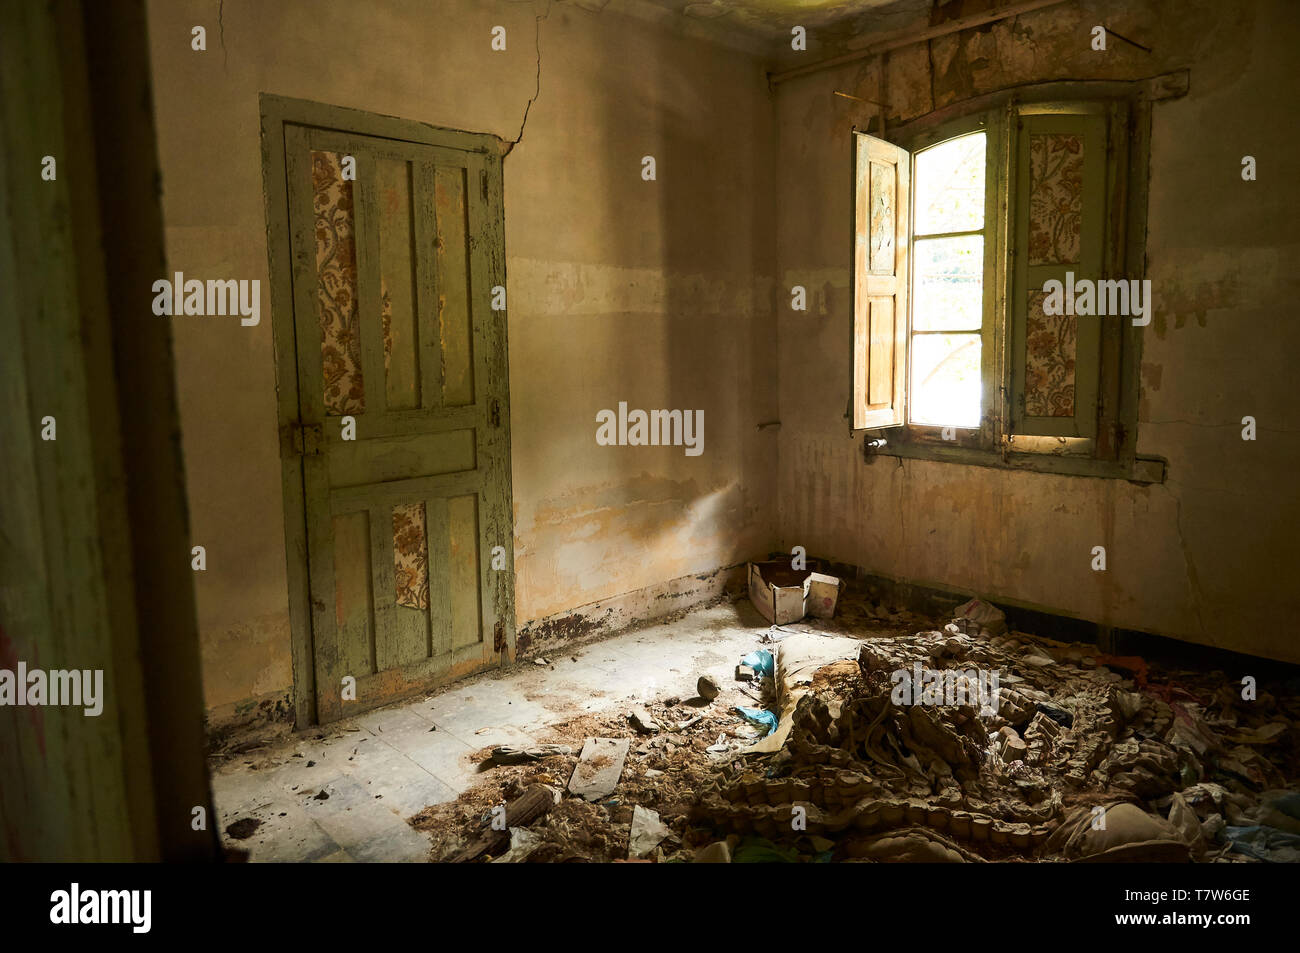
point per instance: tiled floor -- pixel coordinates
(381, 767)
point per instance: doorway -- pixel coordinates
(388, 274)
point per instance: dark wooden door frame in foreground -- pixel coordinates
(94, 537)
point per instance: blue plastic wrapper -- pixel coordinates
(1263, 843)
(761, 662)
(760, 717)
(1268, 843)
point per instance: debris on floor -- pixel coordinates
(599, 767)
(759, 716)
(522, 844)
(533, 803)
(243, 828)
(784, 592)
(707, 687)
(647, 832)
(967, 742)
(719, 852)
(777, 591)
(760, 663)
(640, 719)
(982, 614)
(823, 594)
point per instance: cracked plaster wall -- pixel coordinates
(654, 293)
(663, 295)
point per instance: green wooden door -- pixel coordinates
(396, 248)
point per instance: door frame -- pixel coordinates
(277, 112)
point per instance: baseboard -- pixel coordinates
(265, 718)
(932, 599)
(629, 610)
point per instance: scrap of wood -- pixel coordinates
(536, 801)
(515, 754)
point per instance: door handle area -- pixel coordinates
(307, 439)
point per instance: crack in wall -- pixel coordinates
(221, 32)
(1193, 582)
(1194, 423)
(537, 45)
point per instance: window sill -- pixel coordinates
(1139, 470)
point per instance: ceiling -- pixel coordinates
(774, 19)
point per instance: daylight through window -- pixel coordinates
(948, 283)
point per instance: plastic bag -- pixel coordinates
(758, 716)
(761, 662)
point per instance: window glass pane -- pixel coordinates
(947, 284)
(946, 379)
(950, 186)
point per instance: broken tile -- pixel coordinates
(599, 768)
(640, 719)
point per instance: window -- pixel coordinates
(962, 350)
(948, 282)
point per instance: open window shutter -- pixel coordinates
(1060, 231)
(882, 174)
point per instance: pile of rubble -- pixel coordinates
(1071, 760)
(964, 744)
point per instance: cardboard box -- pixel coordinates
(783, 595)
(823, 595)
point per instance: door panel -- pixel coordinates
(392, 284)
(453, 307)
(399, 284)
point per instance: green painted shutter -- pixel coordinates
(1060, 177)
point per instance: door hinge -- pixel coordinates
(494, 413)
(308, 439)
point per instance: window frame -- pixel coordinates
(1127, 106)
(983, 436)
